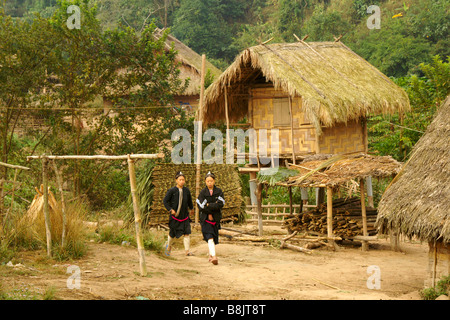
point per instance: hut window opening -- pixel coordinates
(281, 113)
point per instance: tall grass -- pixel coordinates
(153, 241)
(28, 232)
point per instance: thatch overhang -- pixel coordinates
(335, 84)
(417, 204)
(338, 170)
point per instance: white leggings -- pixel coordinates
(186, 241)
(212, 247)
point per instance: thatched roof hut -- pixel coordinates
(191, 64)
(334, 83)
(417, 204)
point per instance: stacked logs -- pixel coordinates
(347, 219)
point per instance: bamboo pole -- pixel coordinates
(365, 244)
(63, 203)
(227, 118)
(199, 136)
(137, 217)
(292, 130)
(98, 157)
(46, 207)
(330, 214)
(11, 166)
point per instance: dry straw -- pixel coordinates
(417, 203)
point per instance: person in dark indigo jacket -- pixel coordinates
(210, 202)
(178, 202)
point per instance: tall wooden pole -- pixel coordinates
(137, 217)
(46, 208)
(365, 245)
(292, 130)
(227, 118)
(200, 135)
(63, 203)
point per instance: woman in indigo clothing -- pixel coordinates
(210, 202)
(178, 201)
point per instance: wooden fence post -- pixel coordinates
(137, 217)
(46, 208)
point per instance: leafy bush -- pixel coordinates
(442, 288)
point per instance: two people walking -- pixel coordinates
(178, 202)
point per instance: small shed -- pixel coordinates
(318, 95)
(331, 174)
(417, 203)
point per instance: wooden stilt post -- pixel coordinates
(63, 203)
(137, 217)
(292, 130)
(46, 207)
(330, 215)
(259, 207)
(365, 244)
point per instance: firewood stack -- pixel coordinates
(347, 219)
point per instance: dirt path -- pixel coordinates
(244, 272)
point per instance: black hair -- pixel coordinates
(210, 174)
(179, 174)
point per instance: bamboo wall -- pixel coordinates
(342, 138)
(163, 178)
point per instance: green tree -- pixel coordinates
(290, 17)
(201, 25)
(396, 135)
(324, 24)
(26, 50)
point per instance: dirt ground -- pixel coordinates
(244, 272)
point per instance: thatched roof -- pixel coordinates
(191, 64)
(337, 170)
(336, 85)
(418, 201)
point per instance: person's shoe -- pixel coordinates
(166, 250)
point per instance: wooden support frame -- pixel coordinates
(132, 176)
